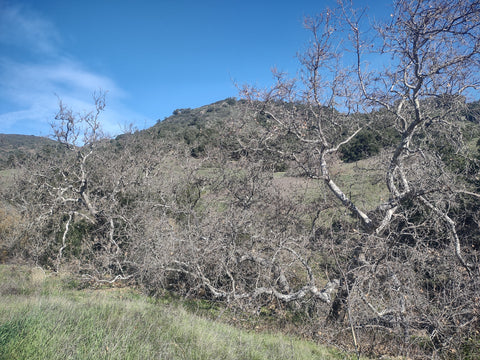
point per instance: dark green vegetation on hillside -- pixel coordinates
(343, 205)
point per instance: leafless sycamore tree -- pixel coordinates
(407, 257)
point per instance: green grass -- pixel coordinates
(362, 183)
(45, 316)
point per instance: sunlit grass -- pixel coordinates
(43, 316)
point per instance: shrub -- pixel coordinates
(364, 145)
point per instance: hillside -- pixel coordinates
(235, 203)
(14, 146)
(196, 129)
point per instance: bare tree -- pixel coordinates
(71, 192)
(430, 67)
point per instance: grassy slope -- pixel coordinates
(44, 317)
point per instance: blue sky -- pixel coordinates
(151, 56)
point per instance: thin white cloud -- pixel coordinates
(29, 88)
(20, 27)
(27, 82)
